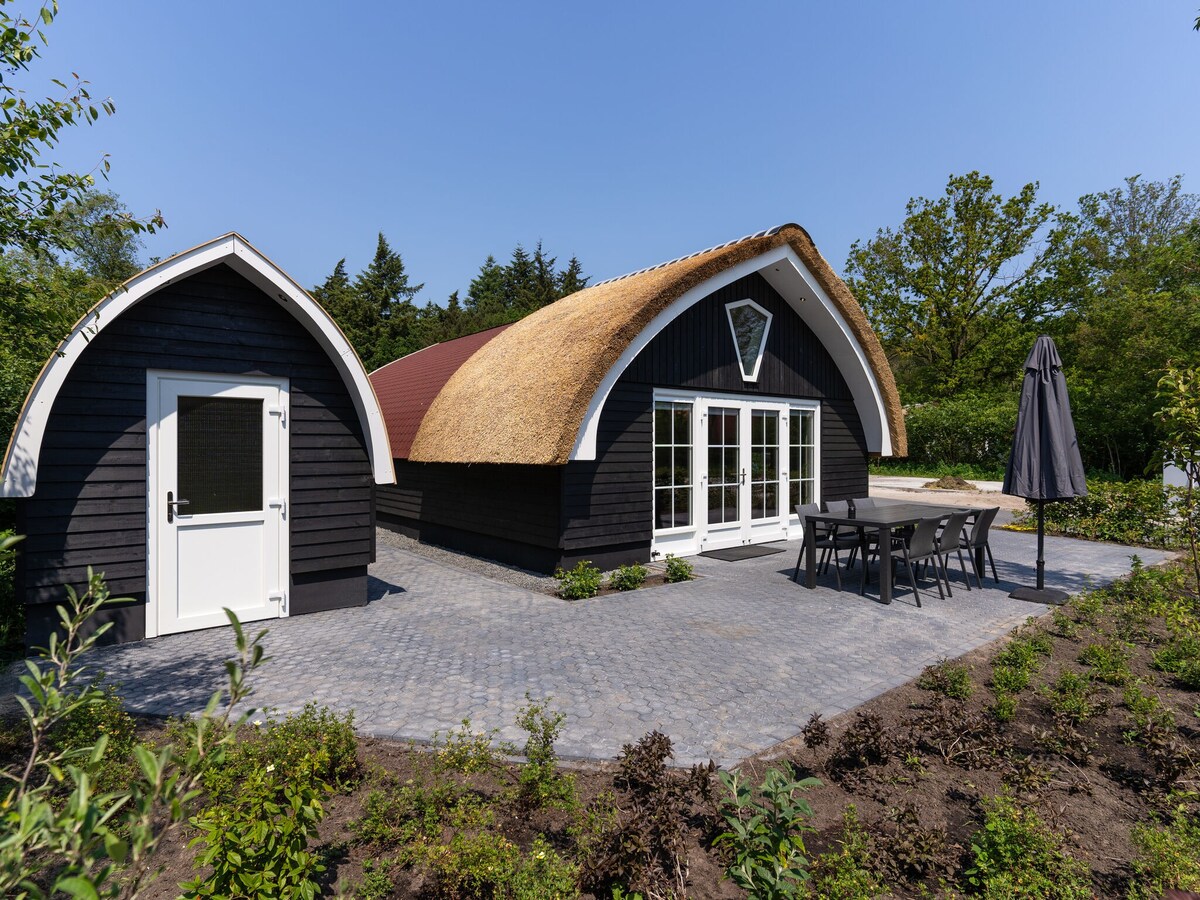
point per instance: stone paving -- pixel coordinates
(726, 665)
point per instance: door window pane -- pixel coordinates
(764, 463)
(724, 473)
(220, 455)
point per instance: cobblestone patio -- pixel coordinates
(726, 665)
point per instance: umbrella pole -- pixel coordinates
(1041, 560)
(1040, 594)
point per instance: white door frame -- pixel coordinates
(698, 536)
(276, 485)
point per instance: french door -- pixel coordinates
(729, 470)
(218, 482)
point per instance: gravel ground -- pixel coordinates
(489, 568)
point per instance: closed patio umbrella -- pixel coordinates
(1044, 463)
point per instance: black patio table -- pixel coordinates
(884, 519)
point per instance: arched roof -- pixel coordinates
(533, 394)
(21, 459)
(408, 386)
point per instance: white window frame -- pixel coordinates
(690, 539)
(762, 346)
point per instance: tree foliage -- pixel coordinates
(377, 313)
(957, 290)
(32, 189)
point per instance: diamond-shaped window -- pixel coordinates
(750, 324)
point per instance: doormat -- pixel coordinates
(747, 551)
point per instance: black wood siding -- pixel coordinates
(610, 501)
(90, 504)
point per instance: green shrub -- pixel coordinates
(1109, 661)
(847, 873)
(628, 578)
(12, 613)
(489, 865)
(464, 750)
(975, 431)
(678, 570)
(1009, 679)
(314, 741)
(1130, 512)
(104, 716)
(376, 883)
(539, 783)
(1181, 658)
(766, 833)
(1168, 857)
(256, 844)
(579, 583)
(1016, 857)
(948, 678)
(1004, 707)
(1072, 695)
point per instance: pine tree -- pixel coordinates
(347, 307)
(571, 279)
(520, 285)
(485, 296)
(384, 287)
(545, 279)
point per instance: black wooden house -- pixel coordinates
(206, 437)
(682, 408)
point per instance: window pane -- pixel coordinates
(662, 509)
(794, 427)
(794, 462)
(756, 501)
(714, 505)
(809, 469)
(806, 491)
(731, 465)
(756, 428)
(771, 464)
(662, 423)
(683, 507)
(806, 434)
(683, 424)
(683, 465)
(714, 427)
(662, 466)
(731, 504)
(220, 463)
(771, 424)
(731, 427)
(749, 327)
(756, 464)
(771, 500)
(793, 496)
(714, 464)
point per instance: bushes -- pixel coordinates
(1131, 512)
(974, 431)
(579, 583)
(1016, 856)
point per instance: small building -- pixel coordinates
(206, 437)
(683, 408)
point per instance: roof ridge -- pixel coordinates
(759, 234)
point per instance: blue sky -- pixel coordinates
(624, 133)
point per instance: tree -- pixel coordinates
(571, 279)
(1179, 423)
(338, 297)
(32, 191)
(384, 287)
(957, 291)
(97, 238)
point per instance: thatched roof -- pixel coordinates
(406, 387)
(522, 397)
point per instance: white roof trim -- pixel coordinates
(21, 459)
(787, 274)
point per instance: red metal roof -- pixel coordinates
(407, 387)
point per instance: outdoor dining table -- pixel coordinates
(885, 520)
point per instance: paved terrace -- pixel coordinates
(726, 665)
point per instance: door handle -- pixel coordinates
(743, 476)
(173, 506)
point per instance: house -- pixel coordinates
(685, 407)
(206, 437)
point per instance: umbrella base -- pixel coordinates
(1033, 595)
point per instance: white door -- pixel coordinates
(745, 484)
(218, 492)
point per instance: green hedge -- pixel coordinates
(1130, 512)
(973, 430)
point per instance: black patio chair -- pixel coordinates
(920, 546)
(978, 537)
(825, 541)
(950, 539)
